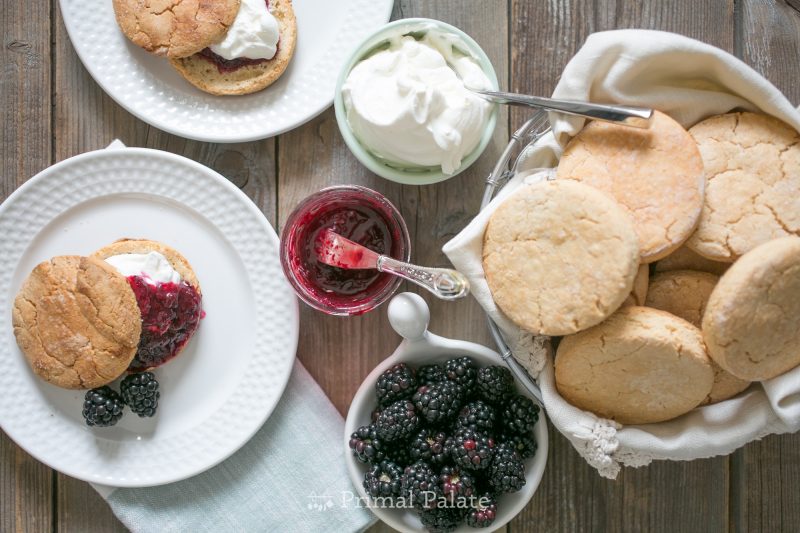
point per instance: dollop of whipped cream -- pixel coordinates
(152, 267)
(407, 105)
(254, 33)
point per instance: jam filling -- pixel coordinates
(360, 224)
(229, 65)
(171, 313)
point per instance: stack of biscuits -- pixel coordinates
(667, 261)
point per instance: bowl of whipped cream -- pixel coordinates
(403, 105)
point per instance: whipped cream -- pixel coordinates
(254, 33)
(152, 267)
(407, 105)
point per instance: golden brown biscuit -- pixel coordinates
(640, 283)
(143, 246)
(559, 257)
(752, 166)
(685, 293)
(205, 75)
(685, 259)
(657, 174)
(752, 321)
(77, 322)
(639, 366)
(175, 28)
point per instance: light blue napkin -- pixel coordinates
(289, 477)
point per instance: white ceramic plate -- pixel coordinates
(218, 392)
(151, 89)
(409, 316)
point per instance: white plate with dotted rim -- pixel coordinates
(219, 391)
(151, 89)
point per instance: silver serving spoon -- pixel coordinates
(337, 251)
(637, 117)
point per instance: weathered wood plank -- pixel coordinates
(663, 496)
(765, 475)
(26, 495)
(768, 33)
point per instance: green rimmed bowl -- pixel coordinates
(392, 171)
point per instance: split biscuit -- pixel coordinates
(249, 78)
(175, 28)
(77, 322)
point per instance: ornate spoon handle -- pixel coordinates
(445, 283)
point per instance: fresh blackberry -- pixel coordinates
(383, 480)
(420, 483)
(430, 374)
(399, 454)
(375, 414)
(397, 422)
(507, 473)
(102, 407)
(519, 415)
(477, 415)
(140, 392)
(471, 449)
(462, 371)
(430, 446)
(482, 512)
(439, 402)
(456, 483)
(396, 383)
(366, 445)
(442, 519)
(495, 384)
(524, 445)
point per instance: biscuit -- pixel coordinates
(685, 259)
(657, 174)
(203, 74)
(143, 246)
(639, 366)
(640, 283)
(77, 322)
(752, 166)
(175, 28)
(559, 257)
(752, 321)
(685, 293)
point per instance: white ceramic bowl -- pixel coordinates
(409, 316)
(411, 175)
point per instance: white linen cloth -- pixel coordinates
(689, 81)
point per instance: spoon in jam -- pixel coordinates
(337, 251)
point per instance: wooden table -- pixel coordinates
(52, 109)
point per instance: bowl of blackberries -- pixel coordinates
(439, 436)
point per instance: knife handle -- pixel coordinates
(445, 283)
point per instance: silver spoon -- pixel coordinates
(637, 117)
(337, 251)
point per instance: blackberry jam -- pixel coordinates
(171, 313)
(356, 213)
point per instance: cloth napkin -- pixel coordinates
(290, 476)
(688, 80)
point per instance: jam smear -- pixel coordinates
(229, 65)
(171, 313)
(359, 223)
